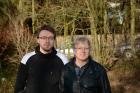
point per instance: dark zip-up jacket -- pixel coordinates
(92, 80)
(40, 73)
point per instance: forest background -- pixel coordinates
(108, 24)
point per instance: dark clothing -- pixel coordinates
(92, 79)
(79, 71)
(39, 73)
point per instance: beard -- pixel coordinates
(46, 48)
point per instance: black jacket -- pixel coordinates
(93, 80)
(40, 73)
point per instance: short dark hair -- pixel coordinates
(47, 28)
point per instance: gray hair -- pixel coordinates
(80, 39)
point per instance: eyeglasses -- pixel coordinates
(46, 38)
(86, 49)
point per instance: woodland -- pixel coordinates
(108, 23)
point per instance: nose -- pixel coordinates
(47, 40)
(84, 50)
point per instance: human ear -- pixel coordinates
(74, 51)
(37, 40)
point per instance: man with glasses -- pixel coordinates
(40, 71)
(82, 74)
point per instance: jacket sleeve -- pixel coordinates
(21, 78)
(105, 85)
(61, 84)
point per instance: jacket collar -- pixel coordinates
(91, 62)
(51, 54)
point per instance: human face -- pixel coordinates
(46, 41)
(82, 51)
